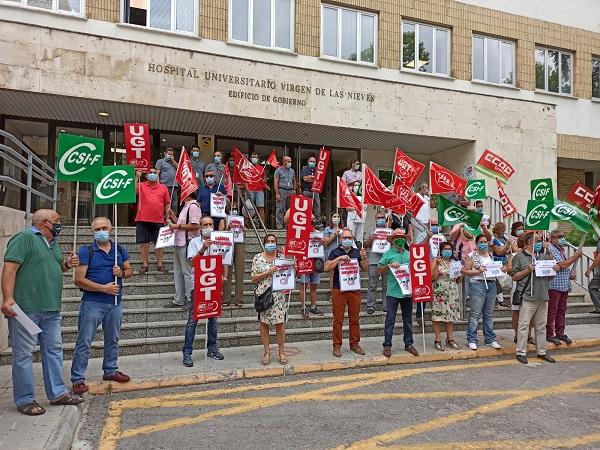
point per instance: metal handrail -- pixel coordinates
(242, 194)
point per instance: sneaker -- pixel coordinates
(370, 310)
(387, 351)
(174, 305)
(315, 311)
(547, 358)
(187, 361)
(79, 387)
(119, 377)
(554, 340)
(522, 359)
(215, 354)
(304, 313)
(472, 345)
(565, 339)
(495, 345)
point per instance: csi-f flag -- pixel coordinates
(476, 190)
(538, 215)
(541, 190)
(450, 214)
(79, 158)
(562, 211)
(117, 185)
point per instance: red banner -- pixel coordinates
(208, 286)
(185, 176)
(346, 198)
(406, 168)
(228, 182)
(137, 146)
(581, 196)
(375, 193)
(403, 192)
(299, 225)
(508, 209)
(420, 273)
(444, 181)
(305, 266)
(272, 160)
(495, 166)
(321, 170)
(244, 171)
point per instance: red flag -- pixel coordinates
(581, 196)
(508, 209)
(593, 213)
(375, 193)
(208, 286)
(321, 170)
(272, 160)
(412, 201)
(228, 182)
(495, 166)
(255, 187)
(299, 225)
(137, 145)
(443, 181)
(244, 171)
(406, 168)
(346, 198)
(185, 176)
(420, 273)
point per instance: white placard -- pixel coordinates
(493, 269)
(315, 245)
(545, 268)
(349, 273)
(380, 243)
(166, 238)
(402, 276)
(218, 202)
(236, 222)
(24, 320)
(285, 278)
(455, 269)
(222, 244)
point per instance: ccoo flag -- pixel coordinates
(79, 158)
(494, 166)
(450, 214)
(117, 185)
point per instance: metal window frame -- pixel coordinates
(436, 29)
(595, 58)
(54, 8)
(173, 27)
(485, 59)
(560, 54)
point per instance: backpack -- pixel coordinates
(91, 253)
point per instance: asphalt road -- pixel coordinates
(488, 403)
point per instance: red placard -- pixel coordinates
(137, 145)
(185, 176)
(208, 286)
(508, 209)
(321, 170)
(444, 181)
(305, 266)
(406, 168)
(495, 166)
(420, 273)
(299, 225)
(346, 198)
(580, 195)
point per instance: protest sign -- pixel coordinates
(285, 278)
(79, 158)
(349, 273)
(321, 170)
(380, 243)
(218, 202)
(545, 268)
(538, 215)
(299, 225)
(541, 190)
(236, 224)
(222, 244)
(476, 190)
(316, 249)
(137, 146)
(117, 185)
(402, 276)
(166, 238)
(455, 269)
(208, 287)
(305, 266)
(493, 269)
(420, 273)
(450, 214)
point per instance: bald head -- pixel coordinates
(40, 215)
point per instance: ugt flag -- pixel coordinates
(346, 198)
(375, 193)
(245, 172)
(450, 214)
(444, 181)
(185, 176)
(406, 168)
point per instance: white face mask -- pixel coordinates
(206, 232)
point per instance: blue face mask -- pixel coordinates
(195, 154)
(217, 159)
(168, 157)
(210, 180)
(270, 247)
(254, 160)
(538, 246)
(380, 222)
(152, 177)
(483, 246)
(231, 162)
(311, 165)
(435, 230)
(102, 236)
(479, 210)
(347, 243)
(562, 242)
(446, 253)
(519, 232)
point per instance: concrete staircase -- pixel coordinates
(148, 327)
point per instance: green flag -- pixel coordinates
(562, 211)
(541, 190)
(538, 215)
(79, 158)
(475, 190)
(450, 214)
(117, 185)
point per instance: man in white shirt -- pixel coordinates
(424, 215)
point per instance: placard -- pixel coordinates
(208, 287)
(455, 269)
(298, 230)
(237, 223)
(218, 202)
(349, 273)
(380, 243)
(493, 269)
(316, 249)
(137, 146)
(222, 244)
(285, 278)
(166, 238)
(545, 268)
(117, 185)
(79, 158)
(420, 273)
(402, 276)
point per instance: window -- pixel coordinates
(348, 34)
(169, 15)
(493, 60)
(431, 44)
(596, 77)
(267, 23)
(553, 71)
(67, 6)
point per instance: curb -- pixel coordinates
(108, 387)
(64, 432)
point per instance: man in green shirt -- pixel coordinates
(32, 279)
(393, 259)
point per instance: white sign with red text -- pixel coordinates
(236, 226)
(349, 275)
(222, 244)
(285, 278)
(380, 243)
(316, 249)
(402, 276)
(218, 202)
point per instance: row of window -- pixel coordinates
(351, 35)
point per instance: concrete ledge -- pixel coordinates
(64, 432)
(107, 387)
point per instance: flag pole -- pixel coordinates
(115, 219)
(423, 326)
(205, 343)
(76, 220)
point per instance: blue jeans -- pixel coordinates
(392, 304)
(51, 352)
(482, 302)
(190, 332)
(91, 315)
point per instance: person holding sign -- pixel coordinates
(311, 281)
(167, 168)
(235, 224)
(349, 257)
(378, 244)
(256, 191)
(205, 193)
(532, 293)
(397, 295)
(482, 289)
(307, 175)
(263, 269)
(445, 288)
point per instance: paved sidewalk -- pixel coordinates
(56, 428)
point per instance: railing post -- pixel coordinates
(55, 194)
(29, 183)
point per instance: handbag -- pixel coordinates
(263, 301)
(517, 298)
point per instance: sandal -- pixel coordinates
(32, 409)
(68, 399)
(266, 359)
(143, 270)
(516, 340)
(438, 345)
(452, 343)
(282, 358)
(162, 269)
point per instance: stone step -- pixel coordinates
(159, 287)
(174, 343)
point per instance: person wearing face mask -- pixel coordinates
(199, 246)
(332, 234)
(482, 292)
(101, 303)
(152, 211)
(424, 215)
(217, 168)
(344, 253)
(517, 229)
(32, 278)
(353, 174)
(559, 288)
(533, 292)
(445, 306)
(374, 257)
(261, 274)
(396, 256)
(197, 164)
(353, 221)
(437, 239)
(284, 182)
(167, 169)
(256, 190)
(307, 175)
(204, 193)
